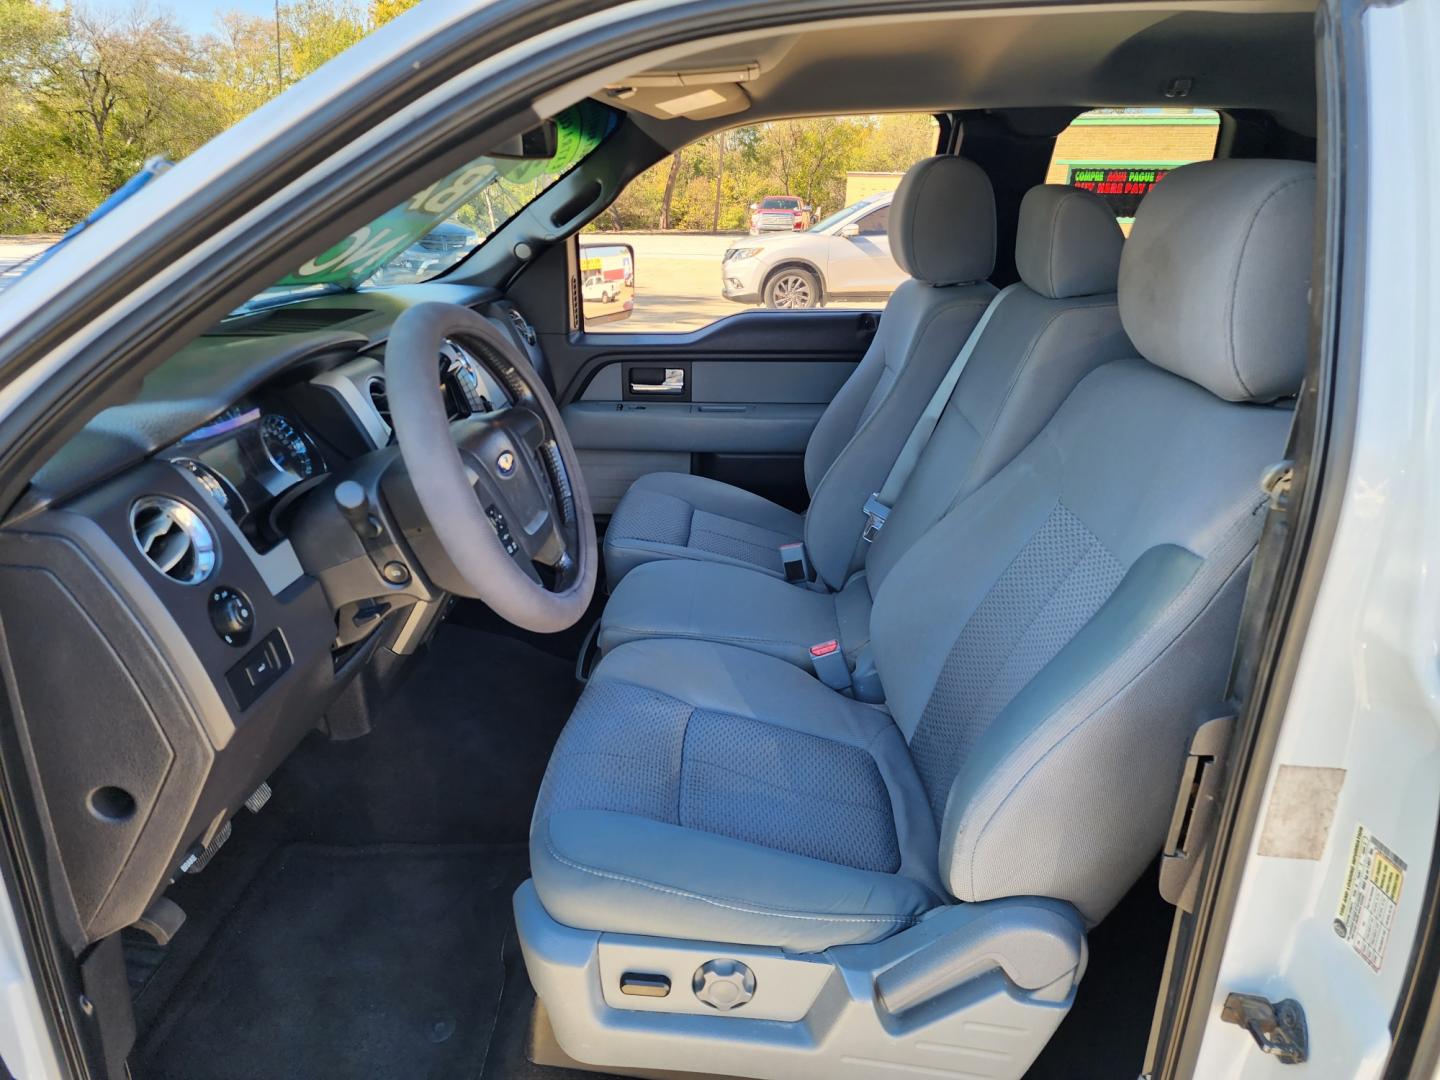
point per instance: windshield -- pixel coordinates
(779, 204)
(840, 215)
(443, 223)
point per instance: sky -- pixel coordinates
(198, 16)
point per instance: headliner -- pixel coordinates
(1257, 56)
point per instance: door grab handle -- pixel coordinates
(672, 382)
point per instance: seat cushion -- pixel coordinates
(710, 792)
(736, 606)
(679, 516)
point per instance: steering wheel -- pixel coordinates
(503, 490)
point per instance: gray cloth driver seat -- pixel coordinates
(942, 233)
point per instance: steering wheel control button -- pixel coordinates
(644, 984)
(502, 528)
(396, 573)
(724, 984)
(231, 615)
(505, 463)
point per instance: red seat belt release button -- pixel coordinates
(830, 666)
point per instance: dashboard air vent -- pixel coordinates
(523, 328)
(379, 398)
(173, 538)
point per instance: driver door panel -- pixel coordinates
(751, 388)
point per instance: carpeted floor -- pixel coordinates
(348, 962)
(1105, 1033)
(360, 925)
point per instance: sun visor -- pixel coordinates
(702, 86)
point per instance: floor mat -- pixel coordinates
(1105, 1034)
(456, 756)
(375, 962)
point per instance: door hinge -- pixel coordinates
(1278, 1027)
(1192, 823)
(1277, 482)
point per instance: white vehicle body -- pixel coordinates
(1353, 772)
(845, 257)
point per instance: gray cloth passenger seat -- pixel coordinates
(1046, 334)
(1046, 646)
(942, 233)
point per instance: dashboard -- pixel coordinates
(246, 459)
(168, 587)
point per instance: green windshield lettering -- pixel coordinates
(470, 203)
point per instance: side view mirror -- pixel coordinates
(754, 206)
(537, 144)
(851, 229)
(607, 282)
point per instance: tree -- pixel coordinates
(719, 177)
(382, 11)
(670, 178)
(114, 83)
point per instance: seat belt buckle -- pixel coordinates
(828, 660)
(876, 513)
(795, 562)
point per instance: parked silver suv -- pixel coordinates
(844, 257)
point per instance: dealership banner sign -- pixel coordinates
(1122, 186)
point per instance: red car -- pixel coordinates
(779, 213)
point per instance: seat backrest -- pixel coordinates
(1059, 323)
(1047, 645)
(942, 233)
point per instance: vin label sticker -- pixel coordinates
(1370, 897)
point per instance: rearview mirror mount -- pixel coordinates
(537, 144)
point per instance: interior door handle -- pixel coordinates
(670, 380)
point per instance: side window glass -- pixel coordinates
(876, 223)
(761, 216)
(1120, 154)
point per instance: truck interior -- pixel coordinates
(821, 718)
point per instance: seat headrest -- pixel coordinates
(1068, 242)
(942, 222)
(1215, 278)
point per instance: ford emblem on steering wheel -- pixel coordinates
(505, 463)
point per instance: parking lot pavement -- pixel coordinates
(15, 250)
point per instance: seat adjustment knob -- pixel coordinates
(724, 984)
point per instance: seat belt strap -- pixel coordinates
(877, 507)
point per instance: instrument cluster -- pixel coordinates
(247, 460)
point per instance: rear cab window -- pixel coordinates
(1120, 154)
